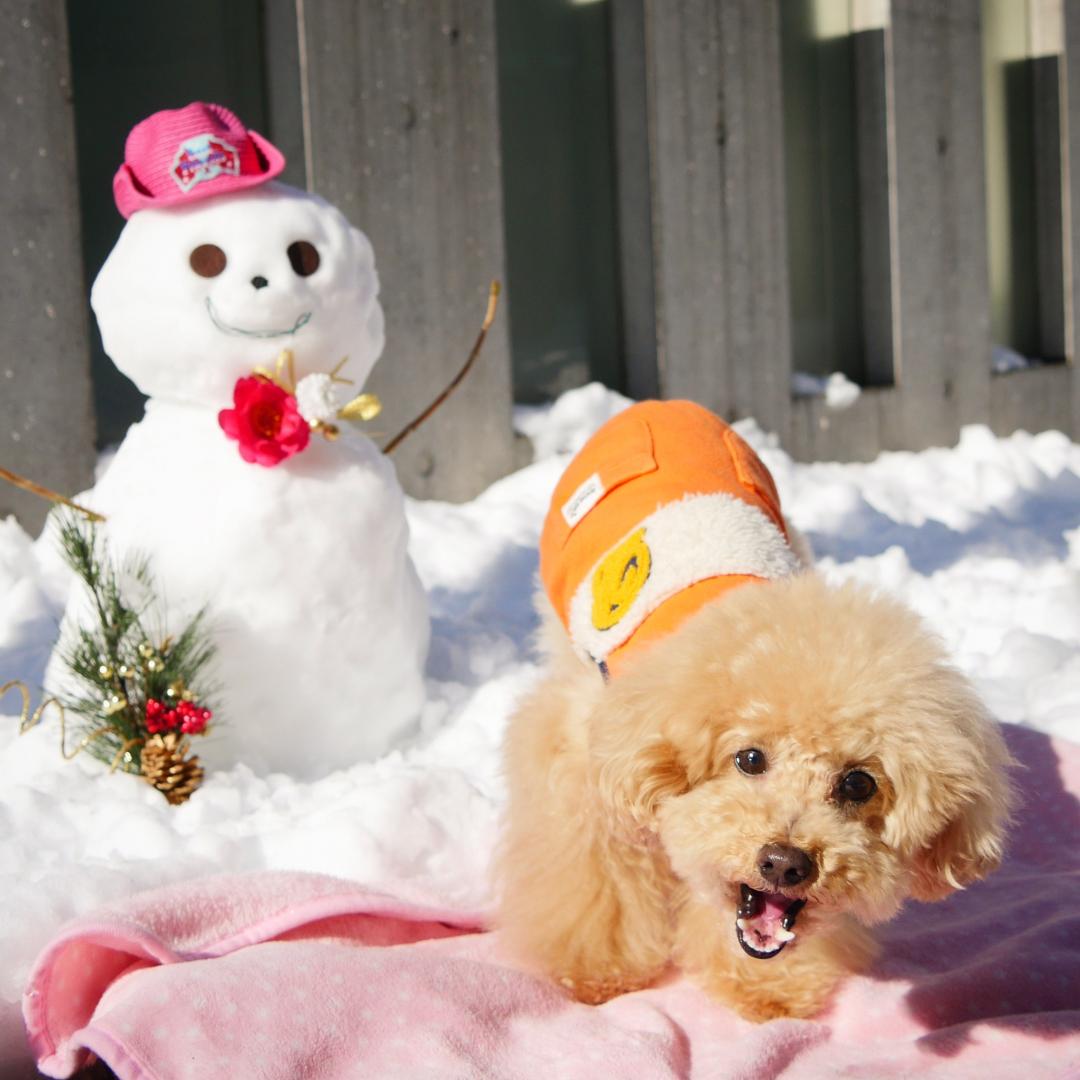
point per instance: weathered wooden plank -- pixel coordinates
(943, 354)
(1035, 399)
(818, 433)
(714, 123)
(46, 421)
(401, 123)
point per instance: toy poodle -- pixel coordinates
(728, 764)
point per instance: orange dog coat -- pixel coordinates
(664, 509)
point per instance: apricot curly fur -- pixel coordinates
(629, 829)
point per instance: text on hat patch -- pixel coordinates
(202, 158)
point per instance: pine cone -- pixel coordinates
(167, 767)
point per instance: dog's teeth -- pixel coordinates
(788, 921)
(750, 902)
(784, 935)
(742, 925)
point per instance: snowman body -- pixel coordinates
(318, 617)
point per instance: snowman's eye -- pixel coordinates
(304, 258)
(207, 260)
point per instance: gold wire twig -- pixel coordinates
(286, 362)
(489, 318)
(124, 748)
(46, 493)
(30, 719)
(283, 362)
(338, 378)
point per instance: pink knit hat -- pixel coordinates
(178, 156)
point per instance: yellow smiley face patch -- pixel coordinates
(618, 580)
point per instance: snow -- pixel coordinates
(837, 389)
(1004, 360)
(983, 539)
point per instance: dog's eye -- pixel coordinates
(752, 762)
(207, 260)
(857, 786)
(304, 258)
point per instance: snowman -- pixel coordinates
(248, 313)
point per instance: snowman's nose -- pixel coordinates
(259, 282)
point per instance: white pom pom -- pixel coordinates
(317, 398)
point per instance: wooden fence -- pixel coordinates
(394, 109)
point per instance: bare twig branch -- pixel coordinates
(45, 493)
(489, 318)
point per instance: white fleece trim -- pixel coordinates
(699, 537)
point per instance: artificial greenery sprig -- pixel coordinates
(131, 688)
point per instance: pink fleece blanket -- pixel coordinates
(276, 975)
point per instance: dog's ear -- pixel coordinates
(632, 782)
(970, 844)
(967, 849)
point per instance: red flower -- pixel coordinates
(265, 422)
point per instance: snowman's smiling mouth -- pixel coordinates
(226, 328)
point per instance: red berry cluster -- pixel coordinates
(187, 716)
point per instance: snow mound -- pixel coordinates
(982, 539)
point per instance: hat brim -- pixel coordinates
(130, 196)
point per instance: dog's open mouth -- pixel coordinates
(764, 922)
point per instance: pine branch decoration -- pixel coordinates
(133, 700)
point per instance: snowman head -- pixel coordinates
(217, 270)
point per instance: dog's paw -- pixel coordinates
(794, 992)
(595, 990)
(758, 1003)
(758, 1008)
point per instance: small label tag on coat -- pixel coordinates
(583, 500)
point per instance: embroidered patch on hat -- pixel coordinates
(202, 158)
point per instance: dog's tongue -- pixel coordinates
(775, 908)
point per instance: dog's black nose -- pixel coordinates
(259, 282)
(782, 864)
